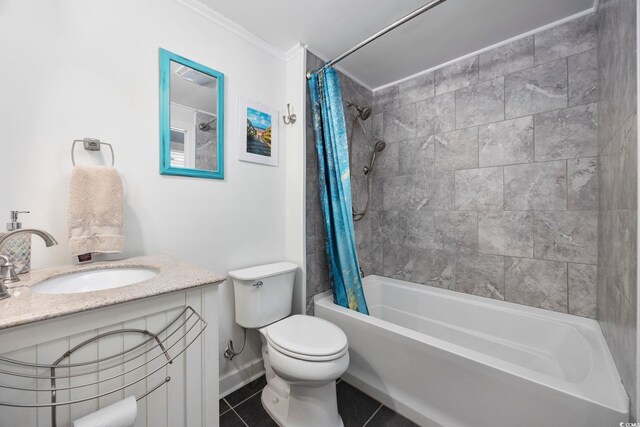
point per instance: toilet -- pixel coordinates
(303, 355)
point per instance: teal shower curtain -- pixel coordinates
(335, 189)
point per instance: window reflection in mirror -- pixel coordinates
(193, 119)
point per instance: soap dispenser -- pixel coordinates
(18, 248)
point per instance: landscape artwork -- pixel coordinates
(258, 132)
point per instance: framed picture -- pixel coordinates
(257, 133)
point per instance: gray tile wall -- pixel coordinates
(617, 164)
(489, 181)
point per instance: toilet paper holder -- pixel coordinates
(158, 352)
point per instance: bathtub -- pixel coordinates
(443, 358)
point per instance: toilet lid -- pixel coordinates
(301, 336)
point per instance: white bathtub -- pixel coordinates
(443, 358)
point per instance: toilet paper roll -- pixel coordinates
(120, 414)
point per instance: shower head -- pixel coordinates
(363, 112)
(379, 147)
(206, 126)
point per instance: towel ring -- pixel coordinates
(91, 144)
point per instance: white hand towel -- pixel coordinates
(120, 414)
(96, 210)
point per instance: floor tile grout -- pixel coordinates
(238, 415)
(373, 415)
(241, 402)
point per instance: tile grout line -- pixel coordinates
(241, 402)
(241, 419)
(373, 415)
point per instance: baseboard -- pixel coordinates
(235, 379)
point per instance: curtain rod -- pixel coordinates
(380, 33)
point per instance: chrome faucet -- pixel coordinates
(48, 238)
(7, 270)
(7, 275)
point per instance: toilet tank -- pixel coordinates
(263, 294)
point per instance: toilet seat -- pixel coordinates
(307, 338)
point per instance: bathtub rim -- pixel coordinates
(616, 399)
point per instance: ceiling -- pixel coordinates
(449, 31)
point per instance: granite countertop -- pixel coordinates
(25, 306)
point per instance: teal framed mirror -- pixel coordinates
(191, 118)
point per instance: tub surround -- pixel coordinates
(25, 306)
(488, 184)
(617, 163)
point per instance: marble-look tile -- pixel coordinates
(506, 233)
(409, 228)
(618, 251)
(436, 115)
(582, 290)
(416, 156)
(537, 89)
(536, 283)
(369, 228)
(618, 318)
(309, 307)
(618, 169)
(318, 279)
(400, 123)
(626, 90)
(315, 231)
(566, 236)
(456, 231)
(480, 274)
(514, 56)
(536, 186)
(433, 191)
(457, 75)
(386, 99)
(609, 63)
(479, 189)
(426, 266)
(575, 36)
(583, 78)
(313, 191)
(457, 149)
(417, 89)
(507, 142)
(377, 126)
(370, 258)
(481, 103)
(582, 191)
(566, 134)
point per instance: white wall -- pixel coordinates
(76, 68)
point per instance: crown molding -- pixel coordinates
(205, 11)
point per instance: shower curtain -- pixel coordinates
(335, 189)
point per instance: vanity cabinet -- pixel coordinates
(190, 398)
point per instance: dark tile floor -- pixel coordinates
(243, 408)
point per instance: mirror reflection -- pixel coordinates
(193, 116)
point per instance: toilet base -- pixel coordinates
(306, 405)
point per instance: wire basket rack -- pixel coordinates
(153, 353)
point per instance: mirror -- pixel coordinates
(191, 118)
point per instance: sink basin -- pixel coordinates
(94, 280)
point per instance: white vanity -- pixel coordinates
(51, 311)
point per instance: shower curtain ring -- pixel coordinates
(289, 119)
